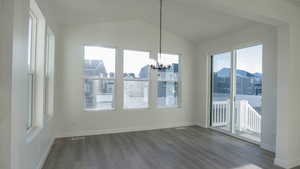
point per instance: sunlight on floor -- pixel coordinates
(248, 166)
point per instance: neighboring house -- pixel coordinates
(93, 88)
(94, 68)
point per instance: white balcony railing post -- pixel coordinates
(243, 110)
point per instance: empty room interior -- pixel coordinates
(149, 84)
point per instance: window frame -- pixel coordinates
(32, 57)
(232, 49)
(36, 92)
(179, 83)
(139, 80)
(114, 98)
(49, 73)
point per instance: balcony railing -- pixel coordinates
(246, 118)
(220, 113)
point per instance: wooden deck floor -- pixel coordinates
(189, 148)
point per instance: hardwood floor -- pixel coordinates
(189, 148)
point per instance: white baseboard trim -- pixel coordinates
(121, 130)
(267, 147)
(45, 155)
(286, 163)
(201, 125)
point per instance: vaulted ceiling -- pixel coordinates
(192, 22)
(295, 2)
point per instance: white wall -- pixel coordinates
(124, 34)
(6, 11)
(257, 34)
(29, 151)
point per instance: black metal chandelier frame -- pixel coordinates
(157, 65)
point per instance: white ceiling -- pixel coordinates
(192, 22)
(295, 2)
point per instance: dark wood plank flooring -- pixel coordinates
(189, 148)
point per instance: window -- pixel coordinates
(168, 82)
(32, 36)
(49, 72)
(36, 68)
(136, 79)
(99, 78)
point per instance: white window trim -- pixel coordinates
(32, 72)
(38, 73)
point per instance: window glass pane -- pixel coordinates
(167, 94)
(221, 91)
(136, 64)
(99, 62)
(173, 72)
(29, 42)
(99, 94)
(49, 73)
(248, 103)
(136, 94)
(31, 47)
(31, 100)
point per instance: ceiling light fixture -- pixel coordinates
(160, 64)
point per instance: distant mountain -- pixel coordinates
(225, 72)
(259, 75)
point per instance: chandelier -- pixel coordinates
(160, 64)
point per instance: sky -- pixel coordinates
(248, 59)
(133, 60)
(107, 55)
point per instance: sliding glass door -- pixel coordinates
(236, 90)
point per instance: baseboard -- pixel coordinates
(201, 125)
(286, 163)
(121, 130)
(267, 147)
(45, 155)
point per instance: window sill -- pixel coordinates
(32, 133)
(171, 107)
(142, 108)
(99, 110)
